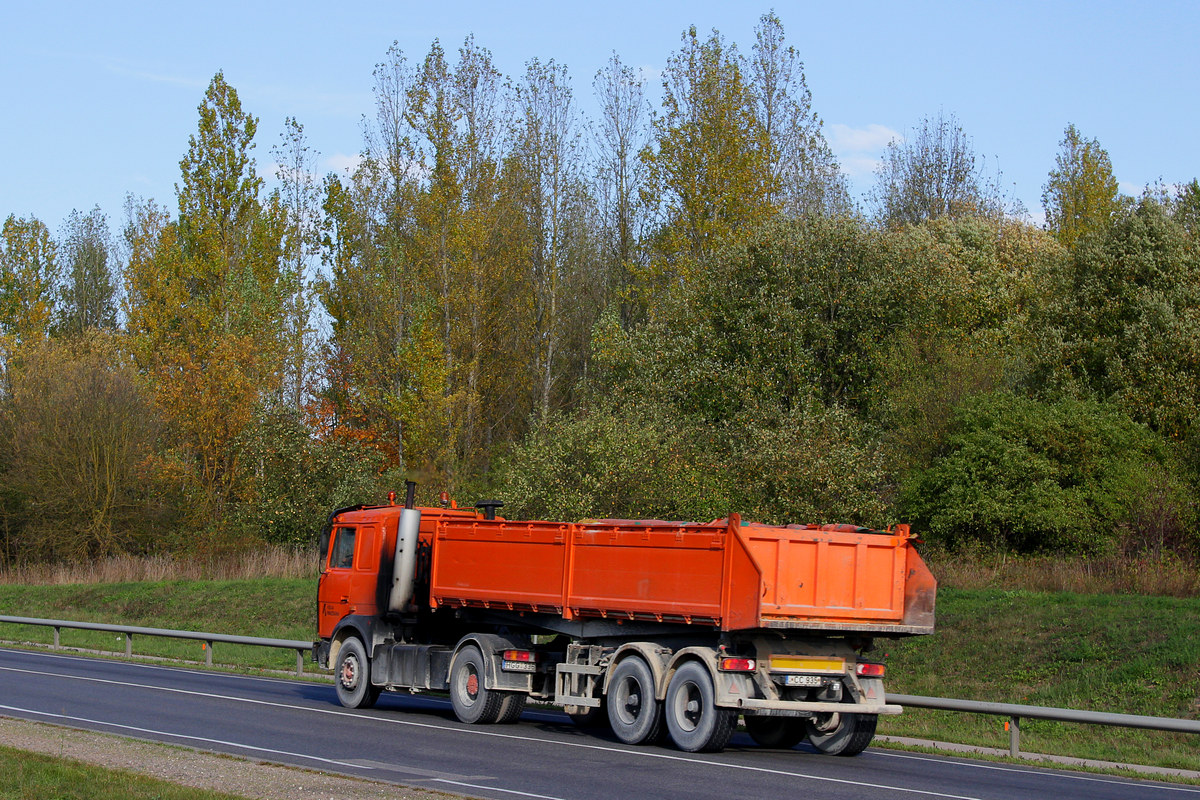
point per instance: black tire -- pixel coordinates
(778, 732)
(842, 734)
(695, 722)
(352, 676)
(511, 706)
(633, 712)
(470, 698)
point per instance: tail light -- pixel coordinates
(867, 669)
(519, 661)
(734, 664)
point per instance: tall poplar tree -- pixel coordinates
(1080, 195)
(204, 300)
(87, 292)
(708, 169)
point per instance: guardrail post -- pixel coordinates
(56, 637)
(128, 645)
(299, 662)
(208, 653)
(1014, 737)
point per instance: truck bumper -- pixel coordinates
(755, 704)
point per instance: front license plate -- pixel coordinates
(801, 680)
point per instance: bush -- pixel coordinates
(1034, 476)
(296, 479)
(609, 462)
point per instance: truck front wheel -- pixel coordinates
(471, 700)
(842, 734)
(696, 723)
(633, 712)
(353, 676)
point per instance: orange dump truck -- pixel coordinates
(651, 627)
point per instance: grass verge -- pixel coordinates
(32, 776)
(1118, 653)
(282, 608)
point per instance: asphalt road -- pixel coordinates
(416, 741)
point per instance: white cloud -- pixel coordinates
(342, 163)
(859, 166)
(874, 137)
(859, 150)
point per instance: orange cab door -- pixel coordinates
(333, 594)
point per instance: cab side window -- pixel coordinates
(343, 549)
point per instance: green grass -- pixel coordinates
(1118, 653)
(31, 776)
(281, 608)
(1121, 653)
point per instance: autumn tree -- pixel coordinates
(934, 173)
(28, 271)
(708, 169)
(204, 304)
(299, 197)
(87, 294)
(805, 177)
(620, 134)
(82, 433)
(1080, 195)
(549, 153)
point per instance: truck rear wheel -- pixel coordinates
(778, 732)
(842, 734)
(695, 722)
(471, 700)
(352, 678)
(633, 712)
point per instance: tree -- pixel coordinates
(82, 433)
(87, 292)
(805, 177)
(28, 272)
(299, 197)
(204, 300)
(548, 150)
(1080, 195)
(620, 135)
(934, 173)
(708, 172)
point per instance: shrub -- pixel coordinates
(1036, 476)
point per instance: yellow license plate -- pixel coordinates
(809, 663)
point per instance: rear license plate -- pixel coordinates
(802, 680)
(519, 666)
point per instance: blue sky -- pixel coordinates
(98, 99)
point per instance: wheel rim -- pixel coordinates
(826, 723)
(629, 700)
(472, 686)
(349, 673)
(689, 706)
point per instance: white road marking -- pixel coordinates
(495, 789)
(182, 736)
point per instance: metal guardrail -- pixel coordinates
(132, 630)
(1016, 712)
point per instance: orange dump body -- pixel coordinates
(725, 574)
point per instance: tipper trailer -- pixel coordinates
(655, 628)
